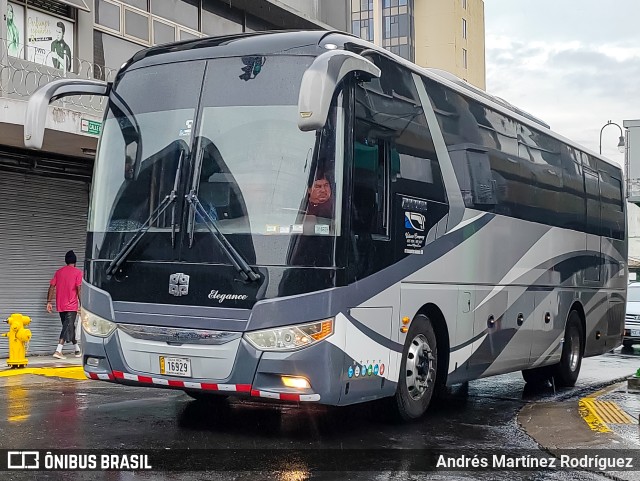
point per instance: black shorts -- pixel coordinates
(68, 333)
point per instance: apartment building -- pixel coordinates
(443, 34)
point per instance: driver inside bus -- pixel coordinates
(320, 203)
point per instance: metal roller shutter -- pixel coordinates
(40, 219)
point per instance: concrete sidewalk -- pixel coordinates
(604, 422)
(46, 361)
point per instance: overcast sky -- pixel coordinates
(573, 63)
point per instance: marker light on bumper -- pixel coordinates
(295, 382)
(290, 337)
(96, 325)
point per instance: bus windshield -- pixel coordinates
(234, 122)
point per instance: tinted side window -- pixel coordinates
(592, 193)
(507, 167)
(612, 207)
(543, 161)
(571, 207)
(391, 133)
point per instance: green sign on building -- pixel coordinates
(90, 126)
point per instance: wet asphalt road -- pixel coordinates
(44, 413)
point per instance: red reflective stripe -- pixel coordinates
(210, 387)
(93, 375)
(243, 388)
(255, 393)
(110, 377)
(118, 374)
(145, 379)
(290, 397)
(176, 383)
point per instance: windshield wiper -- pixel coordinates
(169, 199)
(241, 265)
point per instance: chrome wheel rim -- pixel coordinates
(574, 355)
(419, 369)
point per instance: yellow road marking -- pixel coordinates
(72, 372)
(591, 417)
(598, 413)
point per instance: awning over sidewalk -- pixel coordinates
(79, 4)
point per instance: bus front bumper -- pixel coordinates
(239, 370)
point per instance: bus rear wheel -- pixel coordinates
(418, 370)
(566, 372)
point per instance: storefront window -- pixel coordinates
(141, 4)
(107, 15)
(183, 12)
(109, 53)
(163, 33)
(220, 19)
(136, 25)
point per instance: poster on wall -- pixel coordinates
(49, 40)
(15, 30)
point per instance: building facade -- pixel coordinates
(443, 34)
(44, 205)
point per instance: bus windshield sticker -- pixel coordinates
(322, 229)
(272, 229)
(297, 228)
(186, 132)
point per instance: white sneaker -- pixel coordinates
(78, 354)
(58, 355)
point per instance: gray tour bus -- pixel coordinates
(304, 216)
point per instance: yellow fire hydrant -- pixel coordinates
(18, 337)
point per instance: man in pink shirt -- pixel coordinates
(66, 284)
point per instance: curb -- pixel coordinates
(70, 372)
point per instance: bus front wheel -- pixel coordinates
(565, 373)
(418, 370)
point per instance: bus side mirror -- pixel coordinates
(319, 84)
(39, 101)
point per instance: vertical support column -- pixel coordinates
(84, 42)
(377, 22)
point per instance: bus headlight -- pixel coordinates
(290, 337)
(96, 325)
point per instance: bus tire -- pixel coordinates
(418, 370)
(627, 344)
(566, 372)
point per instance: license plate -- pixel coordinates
(175, 366)
(635, 333)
